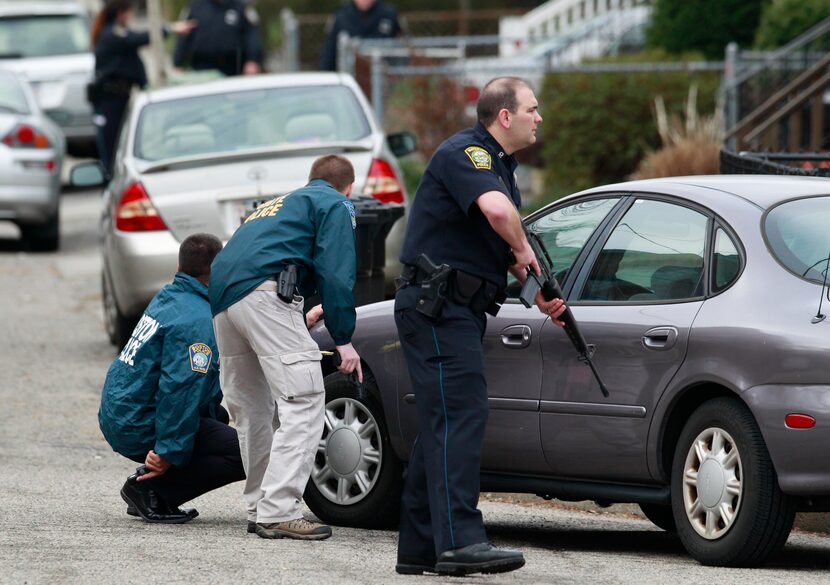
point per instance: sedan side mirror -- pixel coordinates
(87, 175)
(402, 143)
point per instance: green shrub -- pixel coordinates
(597, 126)
(703, 25)
(784, 20)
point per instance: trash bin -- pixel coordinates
(374, 220)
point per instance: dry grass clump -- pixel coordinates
(689, 148)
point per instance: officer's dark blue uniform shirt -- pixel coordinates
(227, 36)
(445, 223)
(116, 55)
(380, 21)
(165, 378)
(311, 228)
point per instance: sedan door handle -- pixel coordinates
(516, 336)
(660, 338)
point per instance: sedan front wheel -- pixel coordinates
(727, 505)
(356, 479)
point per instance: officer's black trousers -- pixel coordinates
(111, 109)
(215, 462)
(439, 506)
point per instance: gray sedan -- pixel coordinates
(31, 157)
(199, 157)
(706, 300)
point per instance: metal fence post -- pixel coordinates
(731, 92)
(290, 39)
(377, 84)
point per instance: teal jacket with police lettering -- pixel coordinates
(311, 228)
(165, 378)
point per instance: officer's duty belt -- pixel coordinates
(463, 288)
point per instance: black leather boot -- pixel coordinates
(481, 557)
(152, 508)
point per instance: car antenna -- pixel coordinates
(819, 317)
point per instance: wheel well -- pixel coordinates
(369, 383)
(679, 412)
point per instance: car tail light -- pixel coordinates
(136, 213)
(26, 136)
(383, 184)
(799, 421)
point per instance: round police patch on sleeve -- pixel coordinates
(200, 357)
(479, 157)
(350, 206)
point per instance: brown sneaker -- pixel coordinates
(300, 529)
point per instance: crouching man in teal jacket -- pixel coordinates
(160, 402)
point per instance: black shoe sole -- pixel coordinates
(410, 569)
(180, 520)
(273, 534)
(131, 511)
(487, 567)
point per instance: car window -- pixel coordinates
(43, 36)
(798, 236)
(249, 119)
(726, 262)
(12, 98)
(654, 253)
(564, 232)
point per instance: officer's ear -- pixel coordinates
(348, 191)
(503, 118)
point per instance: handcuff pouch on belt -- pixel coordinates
(287, 283)
(439, 283)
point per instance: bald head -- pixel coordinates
(499, 94)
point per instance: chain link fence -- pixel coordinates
(754, 163)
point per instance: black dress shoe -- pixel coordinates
(150, 506)
(414, 565)
(481, 557)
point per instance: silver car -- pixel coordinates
(31, 157)
(48, 42)
(706, 300)
(198, 158)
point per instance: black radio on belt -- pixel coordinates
(287, 283)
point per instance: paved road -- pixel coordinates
(62, 520)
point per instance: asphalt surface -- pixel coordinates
(62, 519)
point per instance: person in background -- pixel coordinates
(366, 19)
(160, 402)
(118, 68)
(227, 39)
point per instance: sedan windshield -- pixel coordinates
(249, 119)
(43, 36)
(798, 233)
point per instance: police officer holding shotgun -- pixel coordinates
(462, 229)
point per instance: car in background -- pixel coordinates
(198, 158)
(32, 148)
(703, 297)
(48, 42)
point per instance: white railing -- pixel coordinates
(557, 20)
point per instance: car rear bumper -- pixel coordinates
(29, 198)
(139, 264)
(799, 455)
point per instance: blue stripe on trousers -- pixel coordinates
(446, 435)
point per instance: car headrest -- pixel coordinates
(308, 127)
(675, 282)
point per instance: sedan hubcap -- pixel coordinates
(349, 455)
(712, 483)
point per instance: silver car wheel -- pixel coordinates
(712, 483)
(349, 454)
(110, 308)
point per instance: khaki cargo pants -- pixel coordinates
(273, 385)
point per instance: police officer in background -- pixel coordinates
(464, 215)
(227, 39)
(366, 19)
(160, 402)
(118, 69)
(300, 242)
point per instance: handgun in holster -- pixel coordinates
(434, 286)
(287, 283)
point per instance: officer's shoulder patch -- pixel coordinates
(479, 157)
(350, 206)
(200, 357)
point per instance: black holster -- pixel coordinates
(287, 283)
